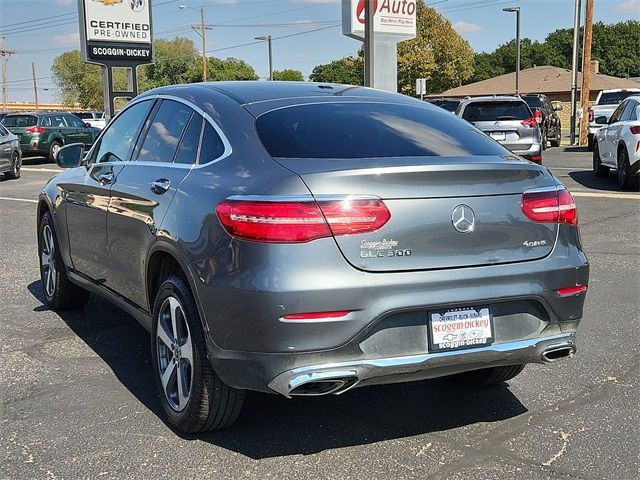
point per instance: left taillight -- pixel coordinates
(300, 221)
(555, 206)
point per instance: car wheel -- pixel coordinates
(590, 142)
(544, 139)
(193, 397)
(16, 164)
(599, 170)
(625, 180)
(60, 292)
(489, 376)
(53, 150)
(556, 141)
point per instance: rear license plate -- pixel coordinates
(460, 328)
(498, 135)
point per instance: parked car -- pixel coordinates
(44, 133)
(305, 239)
(617, 143)
(95, 119)
(548, 120)
(449, 104)
(10, 154)
(508, 120)
(606, 102)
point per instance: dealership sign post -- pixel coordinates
(393, 22)
(116, 34)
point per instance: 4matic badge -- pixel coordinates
(382, 248)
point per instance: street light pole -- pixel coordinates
(203, 28)
(267, 38)
(517, 12)
(369, 45)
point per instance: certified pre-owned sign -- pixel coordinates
(117, 29)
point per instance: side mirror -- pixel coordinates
(70, 156)
(602, 120)
(87, 124)
(557, 106)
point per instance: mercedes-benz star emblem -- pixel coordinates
(463, 219)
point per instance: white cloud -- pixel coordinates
(64, 2)
(72, 39)
(466, 27)
(629, 6)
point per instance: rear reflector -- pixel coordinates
(568, 291)
(536, 158)
(555, 206)
(300, 221)
(316, 316)
(530, 122)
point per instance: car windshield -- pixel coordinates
(19, 121)
(368, 130)
(533, 102)
(496, 110)
(614, 98)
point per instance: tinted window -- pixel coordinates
(629, 110)
(3, 131)
(533, 102)
(617, 113)
(491, 111)
(46, 121)
(188, 150)
(20, 121)
(118, 140)
(57, 121)
(83, 114)
(614, 98)
(449, 105)
(366, 130)
(161, 141)
(74, 121)
(212, 146)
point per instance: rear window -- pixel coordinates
(20, 121)
(614, 98)
(533, 102)
(449, 105)
(491, 111)
(369, 130)
(84, 115)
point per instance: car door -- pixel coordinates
(81, 133)
(87, 199)
(59, 125)
(143, 191)
(612, 135)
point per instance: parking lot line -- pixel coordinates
(627, 196)
(28, 200)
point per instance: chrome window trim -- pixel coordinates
(228, 150)
(300, 198)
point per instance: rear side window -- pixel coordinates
(188, 150)
(212, 145)
(74, 121)
(491, 111)
(369, 130)
(20, 121)
(165, 131)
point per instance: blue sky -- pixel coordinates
(47, 32)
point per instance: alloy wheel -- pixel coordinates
(48, 262)
(175, 354)
(55, 148)
(16, 164)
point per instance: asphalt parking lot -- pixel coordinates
(78, 400)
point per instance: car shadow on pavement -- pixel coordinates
(273, 426)
(587, 179)
(33, 161)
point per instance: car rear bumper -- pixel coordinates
(530, 153)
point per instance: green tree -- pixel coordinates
(438, 53)
(173, 58)
(484, 67)
(347, 70)
(218, 69)
(81, 82)
(616, 47)
(289, 75)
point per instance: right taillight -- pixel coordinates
(554, 206)
(34, 130)
(273, 221)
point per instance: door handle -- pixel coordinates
(160, 186)
(106, 177)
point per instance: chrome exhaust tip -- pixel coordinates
(322, 383)
(554, 354)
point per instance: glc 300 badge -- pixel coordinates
(382, 248)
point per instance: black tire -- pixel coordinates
(211, 404)
(556, 141)
(488, 376)
(590, 142)
(55, 145)
(543, 134)
(625, 180)
(62, 294)
(599, 170)
(16, 165)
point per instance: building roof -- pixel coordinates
(545, 79)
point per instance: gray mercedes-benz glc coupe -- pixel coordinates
(306, 239)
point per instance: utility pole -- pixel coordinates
(200, 30)
(369, 12)
(586, 72)
(35, 85)
(574, 72)
(4, 57)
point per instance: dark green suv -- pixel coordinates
(44, 133)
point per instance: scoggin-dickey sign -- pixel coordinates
(116, 30)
